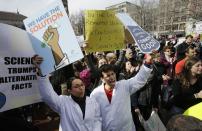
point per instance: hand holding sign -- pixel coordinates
(37, 60)
(149, 57)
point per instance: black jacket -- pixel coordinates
(184, 97)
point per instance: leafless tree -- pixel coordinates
(77, 21)
(148, 14)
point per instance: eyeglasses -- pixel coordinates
(79, 86)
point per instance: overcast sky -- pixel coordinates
(29, 7)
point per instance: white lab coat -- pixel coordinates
(117, 115)
(71, 116)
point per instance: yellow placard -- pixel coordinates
(103, 31)
(129, 37)
(195, 111)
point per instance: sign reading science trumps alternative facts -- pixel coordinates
(18, 80)
(144, 40)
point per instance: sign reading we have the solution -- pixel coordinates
(144, 40)
(103, 31)
(53, 28)
(18, 80)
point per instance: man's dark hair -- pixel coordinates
(77, 66)
(69, 82)
(184, 123)
(189, 36)
(191, 47)
(105, 68)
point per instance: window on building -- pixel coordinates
(168, 27)
(177, 4)
(183, 18)
(154, 27)
(121, 10)
(175, 27)
(168, 19)
(161, 28)
(176, 19)
(161, 21)
(182, 26)
(183, 9)
(121, 6)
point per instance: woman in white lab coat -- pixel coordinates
(77, 111)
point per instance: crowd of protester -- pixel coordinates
(112, 88)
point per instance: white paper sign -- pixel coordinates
(52, 27)
(18, 81)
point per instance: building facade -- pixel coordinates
(144, 16)
(174, 14)
(132, 9)
(14, 19)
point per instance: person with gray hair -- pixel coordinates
(184, 123)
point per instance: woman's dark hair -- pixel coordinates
(167, 47)
(78, 66)
(69, 82)
(191, 47)
(184, 77)
(133, 62)
(61, 76)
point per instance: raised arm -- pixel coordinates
(139, 80)
(48, 95)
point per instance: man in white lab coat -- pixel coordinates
(114, 97)
(77, 111)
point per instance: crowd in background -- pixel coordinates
(174, 86)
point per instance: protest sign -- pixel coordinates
(145, 42)
(103, 31)
(52, 27)
(18, 80)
